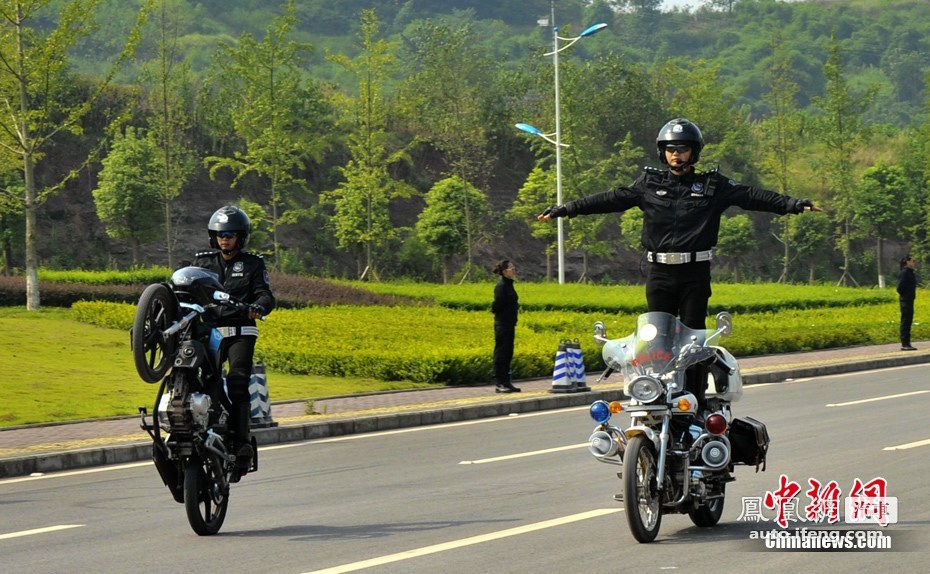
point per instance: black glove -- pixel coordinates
(800, 205)
(555, 211)
(258, 309)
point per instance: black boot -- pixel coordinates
(242, 446)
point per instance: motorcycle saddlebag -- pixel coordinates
(749, 441)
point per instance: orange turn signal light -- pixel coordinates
(684, 404)
(615, 407)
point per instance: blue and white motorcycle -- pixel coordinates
(676, 456)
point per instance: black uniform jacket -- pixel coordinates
(506, 302)
(245, 278)
(907, 284)
(681, 214)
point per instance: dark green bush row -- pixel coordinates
(291, 291)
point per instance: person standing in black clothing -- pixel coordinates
(244, 276)
(505, 308)
(907, 292)
(681, 220)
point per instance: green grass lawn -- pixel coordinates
(59, 369)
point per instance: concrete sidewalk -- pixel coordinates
(50, 448)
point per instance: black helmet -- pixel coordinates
(229, 218)
(680, 130)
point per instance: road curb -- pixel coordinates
(349, 424)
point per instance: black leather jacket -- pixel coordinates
(245, 278)
(681, 214)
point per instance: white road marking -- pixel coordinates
(74, 472)
(39, 531)
(909, 445)
(441, 426)
(884, 398)
(417, 552)
(524, 454)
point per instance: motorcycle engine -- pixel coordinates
(200, 409)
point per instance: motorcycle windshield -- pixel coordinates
(655, 347)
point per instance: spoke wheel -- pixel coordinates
(640, 489)
(707, 515)
(205, 497)
(157, 310)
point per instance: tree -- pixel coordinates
(170, 99)
(885, 205)
(840, 129)
(736, 240)
(443, 98)
(33, 72)
(361, 201)
(441, 225)
(273, 112)
(128, 190)
(534, 196)
(781, 134)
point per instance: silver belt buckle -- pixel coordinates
(677, 258)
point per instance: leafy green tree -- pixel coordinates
(128, 191)
(735, 241)
(443, 99)
(533, 197)
(362, 220)
(274, 112)
(441, 225)
(840, 129)
(170, 91)
(781, 134)
(260, 236)
(885, 205)
(808, 235)
(33, 74)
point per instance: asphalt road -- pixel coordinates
(510, 494)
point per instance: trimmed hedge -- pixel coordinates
(435, 344)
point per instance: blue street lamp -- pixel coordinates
(558, 126)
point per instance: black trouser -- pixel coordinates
(503, 351)
(907, 317)
(680, 290)
(239, 351)
(683, 291)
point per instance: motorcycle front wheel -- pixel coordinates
(205, 497)
(707, 515)
(157, 310)
(640, 489)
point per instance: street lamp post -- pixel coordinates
(560, 241)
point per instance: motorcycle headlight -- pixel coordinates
(644, 389)
(600, 412)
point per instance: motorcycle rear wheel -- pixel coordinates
(205, 497)
(640, 489)
(157, 310)
(707, 515)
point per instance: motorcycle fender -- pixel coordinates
(190, 355)
(633, 431)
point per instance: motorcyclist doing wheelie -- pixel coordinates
(244, 277)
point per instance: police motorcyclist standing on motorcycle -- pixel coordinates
(245, 278)
(681, 219)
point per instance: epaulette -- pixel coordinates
(653, 170)
(205, 253)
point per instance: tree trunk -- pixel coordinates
(880, 248)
